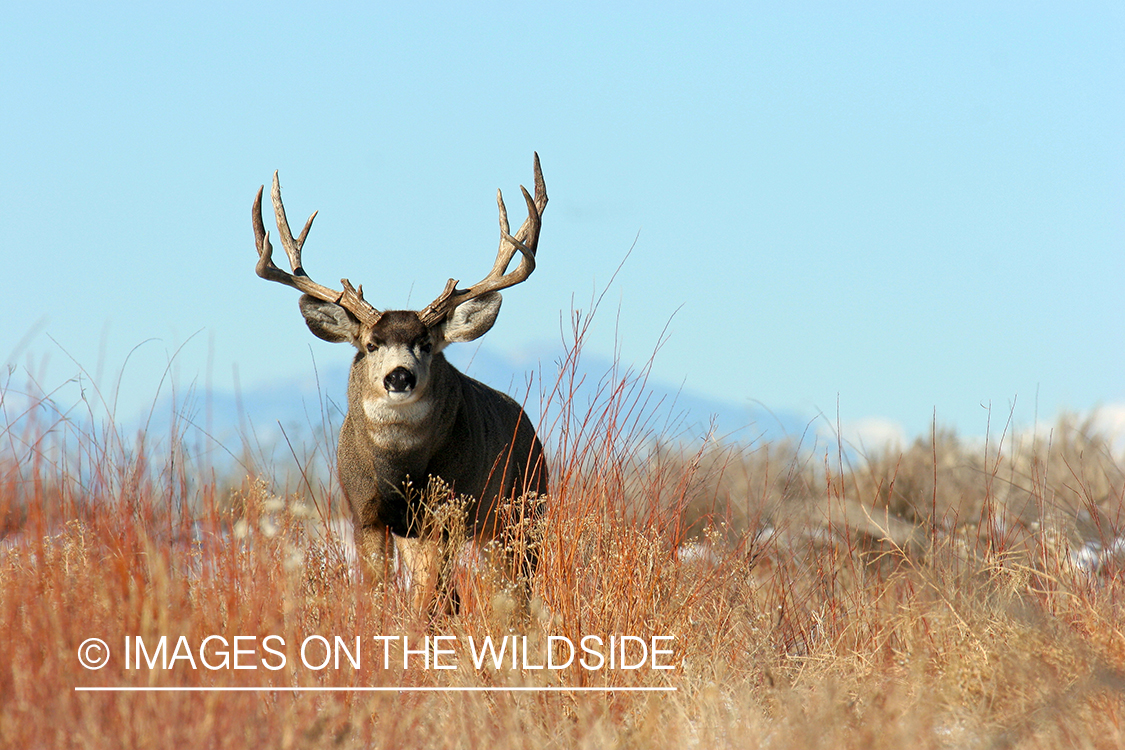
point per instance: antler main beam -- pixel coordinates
(525, 241)
(351, 299)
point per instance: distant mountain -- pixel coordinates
(666, 410)
(301, 415)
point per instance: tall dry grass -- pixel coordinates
(945, 595)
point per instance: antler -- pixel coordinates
(351, 299)
(525, 241)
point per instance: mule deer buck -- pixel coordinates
(416, 426)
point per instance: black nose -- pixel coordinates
(399, 379)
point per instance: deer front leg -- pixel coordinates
(373, 547)
(431, 561)
(519, 537)
(372, 508)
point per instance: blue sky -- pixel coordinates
(902, 211)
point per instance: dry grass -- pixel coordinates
(942, 596)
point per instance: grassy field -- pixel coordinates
(948, 594)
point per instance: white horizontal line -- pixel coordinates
(395, 689)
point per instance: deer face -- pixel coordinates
(395, 353)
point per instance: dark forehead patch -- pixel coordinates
(399, 326)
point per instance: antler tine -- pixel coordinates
(540, 204)
(292, 247)
(509, 244)
(525, 241)
(350, 299)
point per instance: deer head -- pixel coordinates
(396, 348)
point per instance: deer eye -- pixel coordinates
(371, 346)
(426, 346)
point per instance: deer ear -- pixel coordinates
(329, 321)
(471, 319)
